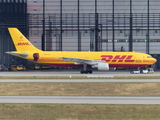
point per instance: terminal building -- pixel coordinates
(82, 25)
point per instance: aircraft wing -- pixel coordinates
(81, 61)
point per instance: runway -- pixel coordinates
(79, 100)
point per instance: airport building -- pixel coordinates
(82, 25)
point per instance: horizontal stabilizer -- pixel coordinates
(23, 54)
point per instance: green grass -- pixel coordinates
(78, 112)
(84, 89)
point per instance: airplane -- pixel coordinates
(86, 60)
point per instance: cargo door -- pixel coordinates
(139, 59)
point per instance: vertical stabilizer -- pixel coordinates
(20, 41)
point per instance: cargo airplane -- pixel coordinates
(86, 60)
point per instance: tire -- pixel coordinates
(86, 72)
(82, 71)
(141, 71)
(90, 71)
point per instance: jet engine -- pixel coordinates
(101, 66)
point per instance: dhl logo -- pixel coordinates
(25, 43)
(117, 58)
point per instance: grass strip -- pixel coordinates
(78, 112)
(81, 89)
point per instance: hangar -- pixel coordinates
(82, 25)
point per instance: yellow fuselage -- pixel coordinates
(114, 59)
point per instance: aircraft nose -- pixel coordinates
(155, 60)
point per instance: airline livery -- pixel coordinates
(86, 60)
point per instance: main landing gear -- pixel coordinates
(85, 70)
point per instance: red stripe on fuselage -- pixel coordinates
(110, 65)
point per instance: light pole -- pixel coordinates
(100, 38)
(43, 34)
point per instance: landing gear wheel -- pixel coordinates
(90, 71)
(82, 72)
(86, 71)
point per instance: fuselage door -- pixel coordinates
(139, 58)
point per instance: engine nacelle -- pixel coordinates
(101, 66)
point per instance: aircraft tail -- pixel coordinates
(20, 41)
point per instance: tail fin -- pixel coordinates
(20, 41)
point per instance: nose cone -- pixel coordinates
(154, 60)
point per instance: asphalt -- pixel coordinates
(80, 99)
(70, 73)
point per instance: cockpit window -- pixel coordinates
(149, 57)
